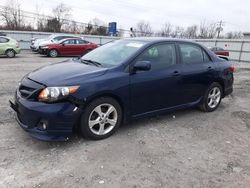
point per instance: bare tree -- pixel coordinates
(61, 14)
(143, 28)
(12, 15)
(191, 32)
(178, 32)
(207, 30)
(74, 27)
(212, 30)
(88, 28)
(203, 30)
(166, 30)
(97, 27)
(234, 35)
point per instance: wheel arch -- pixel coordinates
(9, 49)
(100, 95)
(106, 94)
(221, 82)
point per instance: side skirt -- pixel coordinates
(164, 110)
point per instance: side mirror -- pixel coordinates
(142, 66)
(63, 44)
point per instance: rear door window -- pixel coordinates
(3, 40)
(70, 41)
(79, 41)
(193, 54)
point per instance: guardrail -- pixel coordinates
(239, 49)
(24, 37)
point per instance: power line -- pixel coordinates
(33, 15)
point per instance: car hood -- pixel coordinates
(45, 42)
(69, 72)
(38, 41)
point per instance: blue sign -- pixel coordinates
(112, 28)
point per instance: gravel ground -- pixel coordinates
(186, 148)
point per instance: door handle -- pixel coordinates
(176, 73)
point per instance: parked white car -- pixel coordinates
(36, 43)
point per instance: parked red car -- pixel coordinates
(68, 47)
(220, 52)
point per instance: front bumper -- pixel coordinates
(60, 118)
(43, 51)
(34, 48)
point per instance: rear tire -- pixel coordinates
(101, 118)
(10, 53)
(53, 53)
(212, 98)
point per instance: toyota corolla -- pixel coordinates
(120, 81)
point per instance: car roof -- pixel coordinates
(6, 37)
(159, 39)
(70, 35)
(152, 40)
(70, 38)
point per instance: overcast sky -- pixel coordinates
(235, 14)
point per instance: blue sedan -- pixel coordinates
(120, 81)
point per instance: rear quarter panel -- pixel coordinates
(225, 76)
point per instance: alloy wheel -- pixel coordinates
(53, 53)
(103, 119)
(214, 97)
(10, 53)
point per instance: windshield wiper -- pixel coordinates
(89, 61)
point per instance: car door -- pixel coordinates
(159, 87)
(3, 45)
(68, 47)
(198, 71)
(81, 46)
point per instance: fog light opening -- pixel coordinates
(42, 125)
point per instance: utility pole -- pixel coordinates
(219, 29)
(132, 32)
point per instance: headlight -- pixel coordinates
(44, 47)
(52, 94)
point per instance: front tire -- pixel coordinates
(101, 118)
(212, 98)
(10, 53)
(53, 53)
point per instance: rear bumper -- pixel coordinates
(60, 119)
(228, 91)
(17, 50)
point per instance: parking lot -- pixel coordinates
(187, 148)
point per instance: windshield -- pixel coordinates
(51, 37)
(114, 53)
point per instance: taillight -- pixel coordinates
(232, 68)
(17, 45)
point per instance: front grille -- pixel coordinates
(28, 89)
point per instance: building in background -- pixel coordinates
(246, 35)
